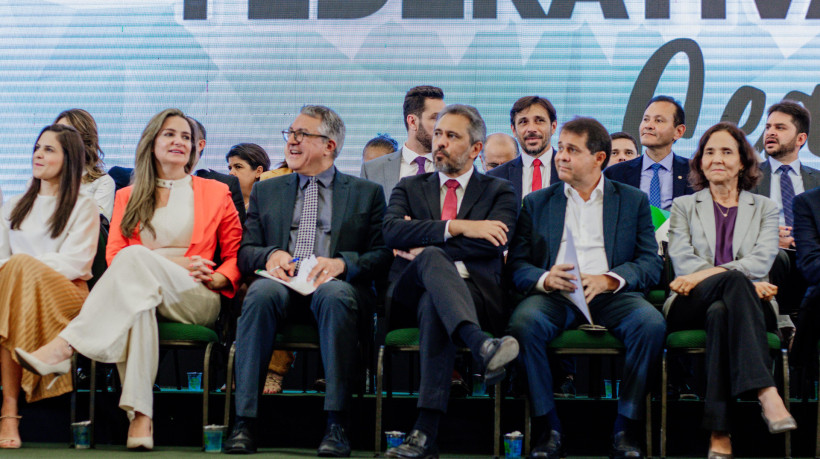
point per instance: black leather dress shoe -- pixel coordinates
(416, 445)
(624, 447)
(241, 440)
(495, 353)
(549, 448)
(334, 443)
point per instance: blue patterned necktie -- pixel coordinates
(655, 187)
(786, 193)
(306, 235)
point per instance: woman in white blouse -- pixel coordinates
(96, 183)
(165, 231)
(48, 238)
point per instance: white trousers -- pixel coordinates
(117, 323)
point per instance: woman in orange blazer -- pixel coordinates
(164, 266)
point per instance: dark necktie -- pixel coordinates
(306, 235)
(655, 187)
(786, 193)
(420, 160)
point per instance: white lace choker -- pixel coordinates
(165, 183)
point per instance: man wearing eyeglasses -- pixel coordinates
(315, 211)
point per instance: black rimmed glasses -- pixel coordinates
(298, 136)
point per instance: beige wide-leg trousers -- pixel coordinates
(118, 324)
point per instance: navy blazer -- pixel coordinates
(485, 198)
(807, 235)
(629, 172)
(629, 237)
(355, 233)
(514, 172)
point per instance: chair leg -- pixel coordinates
(664, 376)
(73, 394)
(497, 421)
(379, 387)
(176, 369)
(206, 392)
(229, 385)
(92, 398)
(527, 426)
(784, 353)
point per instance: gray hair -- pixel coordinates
(332, 125)
(477, 129)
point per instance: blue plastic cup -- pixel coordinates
(513, 443)
(194, 380)
(394, 438)
(82, 434)
(213, 438)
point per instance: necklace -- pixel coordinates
(720, 209)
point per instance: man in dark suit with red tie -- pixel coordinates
(533, 121)
(449, 229)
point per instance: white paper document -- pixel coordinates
(577, 297)
(299, 282)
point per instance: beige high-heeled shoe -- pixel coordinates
(141, 443)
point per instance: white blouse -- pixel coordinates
(102, 192)
(71, 253)
(174, 223)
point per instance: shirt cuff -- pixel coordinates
(447, 234)
(621, 281)
(540, 284)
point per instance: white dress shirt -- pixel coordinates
(102, 191)
(774, 190)
(586, 221)
(408, 167)
(527, 171)
(462, 180)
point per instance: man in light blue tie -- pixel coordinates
(661, 174)
(784, 177)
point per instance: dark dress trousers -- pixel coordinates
(428, 292)
(338, 307)
(807, 240)
(514, 172)
(629, 172)
(631, 250)
(784, 273)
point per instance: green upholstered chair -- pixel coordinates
(694, 342)
(407, 340)
(580, 342)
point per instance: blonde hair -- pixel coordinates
(84, 123)
(141, 204)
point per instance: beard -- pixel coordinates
(534, 151)
(783, 149)
(425, 139)
(451, 164)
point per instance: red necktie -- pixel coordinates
(536, 175)
(450, 209)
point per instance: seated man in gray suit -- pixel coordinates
(415, 157)
(784, 177)
(318, 211)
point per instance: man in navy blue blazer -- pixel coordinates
(807, 244)
(659, 173)
(617, 260)
(533, 121)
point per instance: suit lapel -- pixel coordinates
(557, 215)
(391, 173)
(475, 188)
(553, 170)
(612, 205)
(341, 191)
(810, 178)
(745, 211)
(706, 214)
(517, 175)
(765, 187)
(199, 220)
(432, 195)
(679, 176)
(286, 197)
(634, 176)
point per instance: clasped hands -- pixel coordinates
(493, 231)
(560, 278)
(683, 285)
(281, 266)
(201, 270)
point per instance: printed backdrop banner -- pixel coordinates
(245, 67)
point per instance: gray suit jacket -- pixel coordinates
(692, 236)
(385, 171)
(811, 179)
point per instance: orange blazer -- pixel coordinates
(215, 221)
